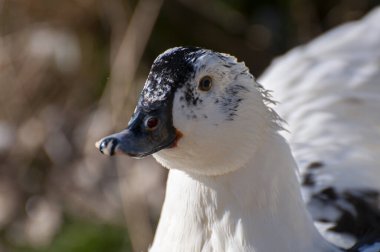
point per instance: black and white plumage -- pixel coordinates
(329, 92)
(232, 184)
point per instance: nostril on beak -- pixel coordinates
(102, 146)
(108, 145)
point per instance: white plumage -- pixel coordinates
(329, 94)
(232, 183)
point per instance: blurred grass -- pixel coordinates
(79, 235)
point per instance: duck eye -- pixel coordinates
(205, 83)
(151, 123)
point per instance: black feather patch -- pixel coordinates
(169, 72)
(231, 100)
(358, 212)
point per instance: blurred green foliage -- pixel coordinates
(79, 235)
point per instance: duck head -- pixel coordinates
(199, 111)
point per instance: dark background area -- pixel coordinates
(70, 73)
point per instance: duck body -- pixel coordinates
(251, 209)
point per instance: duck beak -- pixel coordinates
(148, 131)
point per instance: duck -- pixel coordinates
(233, 182)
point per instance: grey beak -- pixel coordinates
(147, 132)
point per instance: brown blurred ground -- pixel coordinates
(70, 73)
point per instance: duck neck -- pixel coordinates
(255, 208)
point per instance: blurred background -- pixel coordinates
(70, 73)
